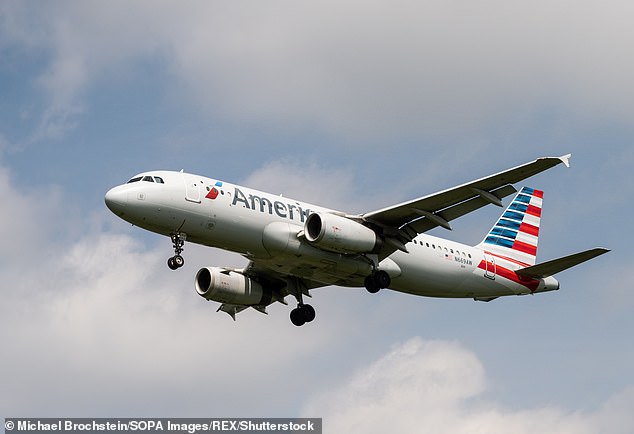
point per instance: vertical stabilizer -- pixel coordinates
(516, 232)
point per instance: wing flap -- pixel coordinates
(550, 268)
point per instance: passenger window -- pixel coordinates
(159, 179)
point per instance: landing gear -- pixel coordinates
(302, 314)
(376, 281)
(177, 261)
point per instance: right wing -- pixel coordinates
(401, 223)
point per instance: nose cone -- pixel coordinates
(116, 200)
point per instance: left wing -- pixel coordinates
(401, 223)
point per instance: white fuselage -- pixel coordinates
(268, 229)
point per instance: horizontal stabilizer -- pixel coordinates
(550, 268)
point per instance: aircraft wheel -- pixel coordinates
(175, 262)
(382, 279)
(297, 317)
(302, 314)
(171, 264)
(371, 284)
(179, 261)
(308, 312)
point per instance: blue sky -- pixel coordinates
(353, 105)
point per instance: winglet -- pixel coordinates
(566, 159)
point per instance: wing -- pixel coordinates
(401, 223)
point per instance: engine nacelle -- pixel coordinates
(231, 287)
(339, 234)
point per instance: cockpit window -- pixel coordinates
(147, 178)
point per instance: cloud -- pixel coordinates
(108, 320)
(307, 181)
(357, 69)
(25, 216)
(440, 387)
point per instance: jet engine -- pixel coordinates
(339, 234)
(232, 287)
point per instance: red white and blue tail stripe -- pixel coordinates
(516, 232)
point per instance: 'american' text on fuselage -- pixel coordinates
(281, 209)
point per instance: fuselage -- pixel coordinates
(269, 229)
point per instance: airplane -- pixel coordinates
(294, 247)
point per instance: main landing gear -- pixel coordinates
(177, 261)
(303, 313)
(376, 281)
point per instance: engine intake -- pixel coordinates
(231, 287)
(339, 234)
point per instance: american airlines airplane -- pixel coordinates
(294, 246)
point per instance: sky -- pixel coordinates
(353, 105)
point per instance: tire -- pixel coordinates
(382, 279)
(309, 312)
(371, 284)
(297, 317)
(171, 264)
(179, 261)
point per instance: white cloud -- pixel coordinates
(353, 68)
(108, 320)
(26, 214)
(307, 181)
(436, 386)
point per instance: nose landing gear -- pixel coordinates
(177, 261)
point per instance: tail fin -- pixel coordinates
(516, 232)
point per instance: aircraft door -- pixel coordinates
(192, 188)
(489, 264)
